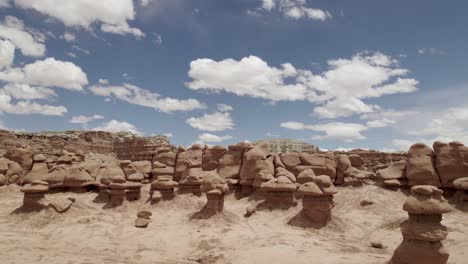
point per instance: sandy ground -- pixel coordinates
(87, 233)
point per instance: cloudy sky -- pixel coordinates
(335, 73)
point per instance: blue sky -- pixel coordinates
(338, 74)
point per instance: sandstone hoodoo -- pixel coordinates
(38, 171)
(215, 188)
(132, 190)
(279, 189)
(230, 165)
(317, 201)
(423, 232)
(420, 167)
(164, 163)
(451, 161)
(191, 177)
(34, 194)
(255, 160)
(163, 187)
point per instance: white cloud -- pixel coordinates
(118, 126)
(347, 132)
(224, 107)
(446, 125)
(69, 36)
(103, 81)
(70, 54)
(295, 9)
(26, 92)
(4, 3)
(28, 107)
(139, 96)
(7, 53)
(383, 118)
(402, 144)
(207, 137)
(85, 51)
(169, 135)
(158, 39)
(52, 72)
(339, 91)
(112, 15)
(82, 119)
(29, 42)
(430, 51)
(212, 122)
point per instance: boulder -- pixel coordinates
(212, 156)
(230, 164)
(356, 161)
(255, 160)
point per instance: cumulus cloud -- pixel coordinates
(115, 126)
(52, 72)
(207, 137)
(347, 132)
(28, 107)
(26, 92)
(339, 91)
(28, 41)
(217, 121)
(113, 16)
(402, 144)
(294, 9)
(139, 96)
(82, 119)
(7, 53)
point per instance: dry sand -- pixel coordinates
(87, 233)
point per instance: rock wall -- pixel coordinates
(125, 146)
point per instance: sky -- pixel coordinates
(340, 74)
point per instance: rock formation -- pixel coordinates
(38, 171)
(320, 163)
(279, 188)
(163, 187)
(317, 201)
(191, 177)
(230, 164)
(349, 175)
(212, 156)
(423, 232)
(394, 175)
(255, 160)
(34, 194)
(461, 184)
(420, 167)
(164, 163)
(215, 188)
(451, 161)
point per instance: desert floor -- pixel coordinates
(87, 233)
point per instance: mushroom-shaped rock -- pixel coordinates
(317, 201)
(34, 194)
(423, 231)
(133, 190)
(77, 178)
(117, 193)
(215, 188)
(163, 186)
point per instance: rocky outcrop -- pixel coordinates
(230, 164)
(451, 161)
(255, 160)
(420, 167)
(124, 145)
(423, 232)
(215, 188)
(394, 175)
(320, 163)
(192, 176)
(212, 156)
(164, 164)
(350, 175)
(317, 201)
